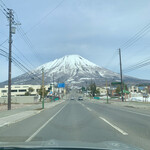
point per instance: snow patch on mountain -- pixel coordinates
(74, 70)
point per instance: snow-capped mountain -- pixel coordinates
(74, 70)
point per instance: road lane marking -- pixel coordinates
(88, 109)
(138, 113)
(135, 112)
(35, 133)
(115, 127)
(81, 103)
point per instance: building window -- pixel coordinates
(13, 90)
(4, 91)
(24, 90)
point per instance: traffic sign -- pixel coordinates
(115, 83)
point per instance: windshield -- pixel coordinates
(75, 73)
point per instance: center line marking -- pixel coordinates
(88, 109)
(35, 133)
(115, 127)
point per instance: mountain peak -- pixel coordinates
(68, 61)
(73, 70)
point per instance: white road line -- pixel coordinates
(135, 112)
(115, 127)
(81, 103)
(35, 133)
(88, 109)
(138, 113)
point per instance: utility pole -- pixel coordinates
(58, 88)
(91, 89)
(43, 88)
(121, 75)
(11, 31)
(10, 59)
(53, 86)
(107, 91)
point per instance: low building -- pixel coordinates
(143, 89)
(134, 89)
(148, 89)
(20, 90)
(102, 90)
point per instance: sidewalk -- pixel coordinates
(18, 114)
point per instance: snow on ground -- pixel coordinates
(139, 99)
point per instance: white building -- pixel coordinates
(20, 90)
(102, 90)
(134, 89)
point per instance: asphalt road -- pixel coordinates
(82, 121)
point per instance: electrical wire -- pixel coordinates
(136, 39)
(111, 59)
(29, 44)
(27, 60)
(3, 42)
(3, 4)
(44, 17)
(24, 62)
(21, 66)
(138, 65)
(135, 36)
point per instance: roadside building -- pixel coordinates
(112, 91)
(102, 90)
(143, 89)
(148, 89)
(20, 90)
(134, 89)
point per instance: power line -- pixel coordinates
(50, 12)
(138, 65)
(18, 62)
(24, 56)
(14, 61)
(20, 65)
(3, 4)
(111, 58)
(136, 37)
(25, 38)
(19, 50)
(29, 44)
(131, 42)
(3, 42)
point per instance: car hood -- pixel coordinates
(112, 145)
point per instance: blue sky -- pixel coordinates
(94, 29)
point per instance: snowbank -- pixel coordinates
(139, 99)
